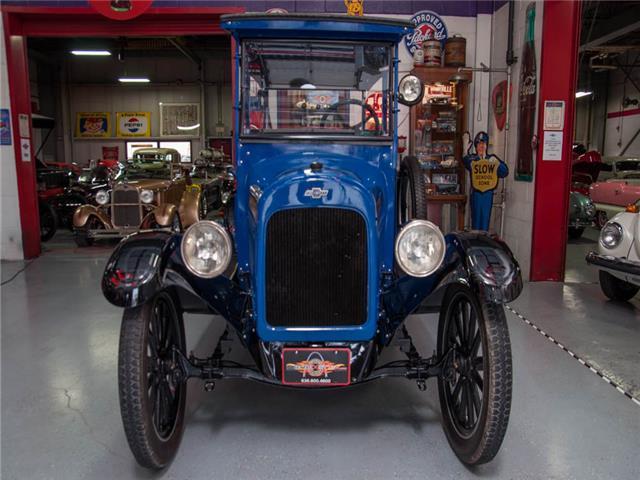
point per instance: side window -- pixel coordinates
(168, 157)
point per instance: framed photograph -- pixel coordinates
(179, 120)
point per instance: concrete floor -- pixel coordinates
(61, 420)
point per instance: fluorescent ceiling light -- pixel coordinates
(133, 80)
(192, 127)
(583, 94)
(91, 53)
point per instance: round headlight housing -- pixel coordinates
(102, 197)
(420, 248)
(410, 90)
(146, 196)
(611, 235)
(206, 249)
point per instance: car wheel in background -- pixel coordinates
(48, 221)
(412, 191)
(616, 289)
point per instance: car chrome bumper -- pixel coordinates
(121, 232)
(614, 264)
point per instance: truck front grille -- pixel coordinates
(316, 268)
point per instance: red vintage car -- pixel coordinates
(614, 195)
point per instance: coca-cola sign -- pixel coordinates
(427, 26)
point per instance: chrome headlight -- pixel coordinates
(611, 235)
(206, 249)
(590, 209)
(410, 90)
(146, 196)
(420, 248)
(102, 197)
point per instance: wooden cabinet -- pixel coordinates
(436, 129)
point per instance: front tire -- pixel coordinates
(152, 402)
(475, 388)
(48, 221)
(616, 289)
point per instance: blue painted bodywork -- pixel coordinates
(275, 173)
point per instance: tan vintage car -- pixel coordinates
(152, 190)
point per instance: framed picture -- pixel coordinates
(93, 124)
(179, 120)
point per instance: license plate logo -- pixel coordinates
(316, 367)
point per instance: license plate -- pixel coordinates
(316, 367)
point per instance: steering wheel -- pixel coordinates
(352, 101)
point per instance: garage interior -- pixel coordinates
(576, 393)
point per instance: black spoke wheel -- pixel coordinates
(82, 237)
(475, 388)
(152, 396)
(48, 221)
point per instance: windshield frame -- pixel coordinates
(287, 134)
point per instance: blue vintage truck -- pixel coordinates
(329, 252)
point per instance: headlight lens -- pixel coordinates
(410, 90)
(206, 249)
(420, 248)
(611, 235)
(146, 196)
(102, 197)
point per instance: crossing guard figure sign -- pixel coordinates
(485, 170)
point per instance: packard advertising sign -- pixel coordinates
(134, 124)
(427, 26)
(93, 124)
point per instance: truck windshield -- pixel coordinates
(315, 88)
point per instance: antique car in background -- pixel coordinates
(211, 172)
(614, 195)
(585, 168)
(618, 256)
(330, 262)
(150, 191)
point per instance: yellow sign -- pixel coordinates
(484, 174)
(133, 124)
(93, 124)
(355, 8)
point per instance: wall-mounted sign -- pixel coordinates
(552, 146)
(121, 9)
(527, 100)
(499, 103)
(25, 127)
(133, 124)
(427, 26)
(93, 124)
(355, 8)
(110, 154)
(5, 127)
(553, 115)
(25, 149)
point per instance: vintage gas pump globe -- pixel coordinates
(329, 253)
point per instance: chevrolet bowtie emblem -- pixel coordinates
(316, 193)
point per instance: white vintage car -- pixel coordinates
(618, 256)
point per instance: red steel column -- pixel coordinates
(18, 72)
(558, 74)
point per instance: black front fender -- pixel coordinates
(134, 271)
(484, 264)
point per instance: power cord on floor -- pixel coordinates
(16, 274)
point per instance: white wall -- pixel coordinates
(92, 87)
(11, 236)
(620, 130)
(519, 196)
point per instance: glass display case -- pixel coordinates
(437, 125)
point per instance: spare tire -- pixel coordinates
(411, 195)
